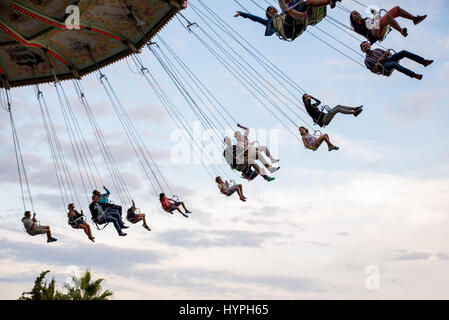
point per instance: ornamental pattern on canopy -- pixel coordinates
(35, 41)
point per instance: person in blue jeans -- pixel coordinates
(383, 62)
(100, 216)
(104, 201)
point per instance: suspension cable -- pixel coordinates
(21, 169)
(176, 116)
(105, 151)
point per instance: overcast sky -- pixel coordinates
(380, 202)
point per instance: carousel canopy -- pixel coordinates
(42, 37)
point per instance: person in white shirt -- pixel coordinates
(229, 189)
(33, 228)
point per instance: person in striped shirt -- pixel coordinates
(383, 62)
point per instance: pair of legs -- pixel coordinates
(264, 149)
(114, 217)
(299, 12)
(175, 207)
(390, 19)
(252, 155)
(324, 138)
(393, 63)
(107, 206)
(86, 228)
(327, 118)
(46, 230)
(239, 189)
(141, 217)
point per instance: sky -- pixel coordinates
(368, 221)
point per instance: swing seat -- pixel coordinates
(97, 224)
(232, 184)
(388, 28)
(324, 109)
(314, 16)
(74, 224)
(249, 174)
(385, 72)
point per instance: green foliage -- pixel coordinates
(83, 288)
(43, 290)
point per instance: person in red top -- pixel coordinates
(170, 205)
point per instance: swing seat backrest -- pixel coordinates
(316, 15)
(318, 121)
(383, 70)
(388, 28)
(232, 184)
(97, 225)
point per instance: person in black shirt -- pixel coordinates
(322, 118)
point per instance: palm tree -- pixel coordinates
(84, 288)
(43, 290)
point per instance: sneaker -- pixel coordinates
(147, 227)
(418, 76)
(275, 161)
(269, 178)
(185, 215)
(334, 148)
(122, 234)
(419, 19)
(125, 227)
(243, 199)
(52, 240)
(405, 32)
(92, 239)
(358, 112)
(427, 63)
(334, 2)
(187, 211)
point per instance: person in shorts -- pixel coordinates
(134, 217)
(170, 205)
(229, 189)
(33, 228)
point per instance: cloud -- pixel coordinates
(403, 255)
(101, 257)
(342, 234)
(267, 211)
(316, 243)
(216, 238)
(443, 256)
(418, 106)
(152, 112)
(202, 281)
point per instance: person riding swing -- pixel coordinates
(100, 216)
(293, 20)
(234, 156)
(134, 217)
(229, 188)
(76, 221)
(322, 118)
